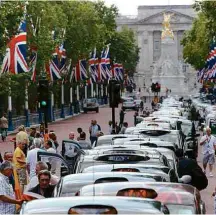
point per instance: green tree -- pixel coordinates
(124, 49)
(11, 14)
(46, 17)
(84, 29)
(196, 43)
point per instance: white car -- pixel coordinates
(129, 103)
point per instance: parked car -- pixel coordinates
(92, 205)
(158, 169)
(179, 198)
(121, 158)
(90, 104)
(71, 184)
(129, 103)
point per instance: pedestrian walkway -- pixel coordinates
(34, 120)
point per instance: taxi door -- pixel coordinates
(56, 163)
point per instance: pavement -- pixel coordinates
(63, 128)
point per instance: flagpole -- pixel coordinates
(86, 91)
(102, 93)
(78, 98)
(62, 100)
(92, 90)
(97, 90)
(77, 89)
(10, 122)
(71, 100)
(53, 105)
(26, 105)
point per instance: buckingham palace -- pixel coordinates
(147, 26)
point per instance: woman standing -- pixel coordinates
(3, 127)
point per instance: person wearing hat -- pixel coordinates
(7, 198)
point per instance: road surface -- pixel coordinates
(63, 128)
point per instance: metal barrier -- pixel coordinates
(34, 119)
(67, 110)
(17, 121)
(57, 114)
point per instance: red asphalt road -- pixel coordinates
(63, 128)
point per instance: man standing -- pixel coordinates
(3, 127)
(83, 143)
(19, 161)
(7, 199)
(94, 130)
(43, 188)
(32, 158)
(121, 117)
(209, 145)
(8, 156)
(34, 180)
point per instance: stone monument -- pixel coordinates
(168, 71)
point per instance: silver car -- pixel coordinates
(92, 205)
(90, 104)
(71, 184)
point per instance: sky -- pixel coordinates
(129, 7)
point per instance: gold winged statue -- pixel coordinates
(167, 32)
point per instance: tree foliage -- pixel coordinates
(197, 41)
(196, 44)
(10, 17)
(81, 25)
(124, 49)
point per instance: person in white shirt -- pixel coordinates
(208, 142)
(94, 129)
(7, 197)
(48, 146)
(52, 161)
(32, 158)
(34, 180)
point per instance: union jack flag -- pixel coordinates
(209, 71)
(121, 72)
(15, 58)
(61, 56)
(104, 64)
(115, 71)
(200, 75)
(33, 62)
(93, 68)
(57, 65)
(107, 60)
(80, 72)
(52, 71)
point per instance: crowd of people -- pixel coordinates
(33, 176)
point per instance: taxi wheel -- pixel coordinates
(97, 110)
